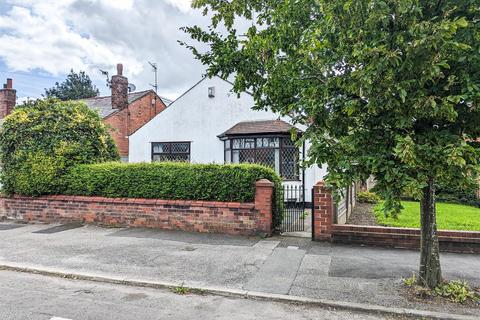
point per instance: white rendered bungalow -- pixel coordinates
(211, 124)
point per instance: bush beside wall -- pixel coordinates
(168, 180)
(41, 140)
(368, 197)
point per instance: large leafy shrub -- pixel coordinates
(169, 180)
(41, 140)
(368, 197)
(466, 195)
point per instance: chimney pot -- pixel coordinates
(119, 69)
(8, 99)
(119, 86)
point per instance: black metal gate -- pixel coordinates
(292, 208)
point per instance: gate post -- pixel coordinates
(263, 203)
(322, 214)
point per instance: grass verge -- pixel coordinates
(449, 216)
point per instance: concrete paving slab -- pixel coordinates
(266, 244)
(278, 272)
(346, 289)
(59, 228)
(199, 238)
(317, 266)
(358, 267)
(10, 226)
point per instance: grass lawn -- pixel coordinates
(449, 216)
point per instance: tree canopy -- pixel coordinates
(389, 88)
(76, 86)
(41, 140)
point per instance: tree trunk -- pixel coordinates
(430, 271)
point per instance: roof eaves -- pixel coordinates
(111, 114)
(191, 88)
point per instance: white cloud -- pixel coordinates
(119, 4)
(184, 5)
(40, 38)
(58, 35)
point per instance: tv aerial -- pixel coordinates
(154, 66)
(105, 73)
(131, 87)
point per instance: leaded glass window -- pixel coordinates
(278, 152)
(171, 151)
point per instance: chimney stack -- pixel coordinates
(119, 86)
(8, 99)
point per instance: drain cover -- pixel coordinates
(60, 228)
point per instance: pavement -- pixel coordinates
(29, 296)
(279, 265)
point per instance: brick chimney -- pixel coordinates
(8, 99)
(119, 89)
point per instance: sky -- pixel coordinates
(41, 40)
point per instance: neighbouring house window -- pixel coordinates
(279, 153)
(171, 151)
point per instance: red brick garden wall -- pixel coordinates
(194, 216)
(324, 229)
(405, 238)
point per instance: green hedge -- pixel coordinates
(42, 140)
(168, 180)
(466, 195)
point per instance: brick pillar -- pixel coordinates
(263, 204)
(3, 209)
(322, 212)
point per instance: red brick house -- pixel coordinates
(123, 112)
(126, 112)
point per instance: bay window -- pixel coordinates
(277, 152)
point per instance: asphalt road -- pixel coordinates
(28, 296)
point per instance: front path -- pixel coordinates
(277, 265)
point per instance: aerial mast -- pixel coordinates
(155, 71)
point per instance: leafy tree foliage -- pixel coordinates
(389, 88)
(41, 140)
(76, 86)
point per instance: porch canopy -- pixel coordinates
(266, 142)
(259, 127)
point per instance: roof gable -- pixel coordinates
(103, 105)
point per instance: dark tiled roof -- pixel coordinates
(104, 104)
(259, 127)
